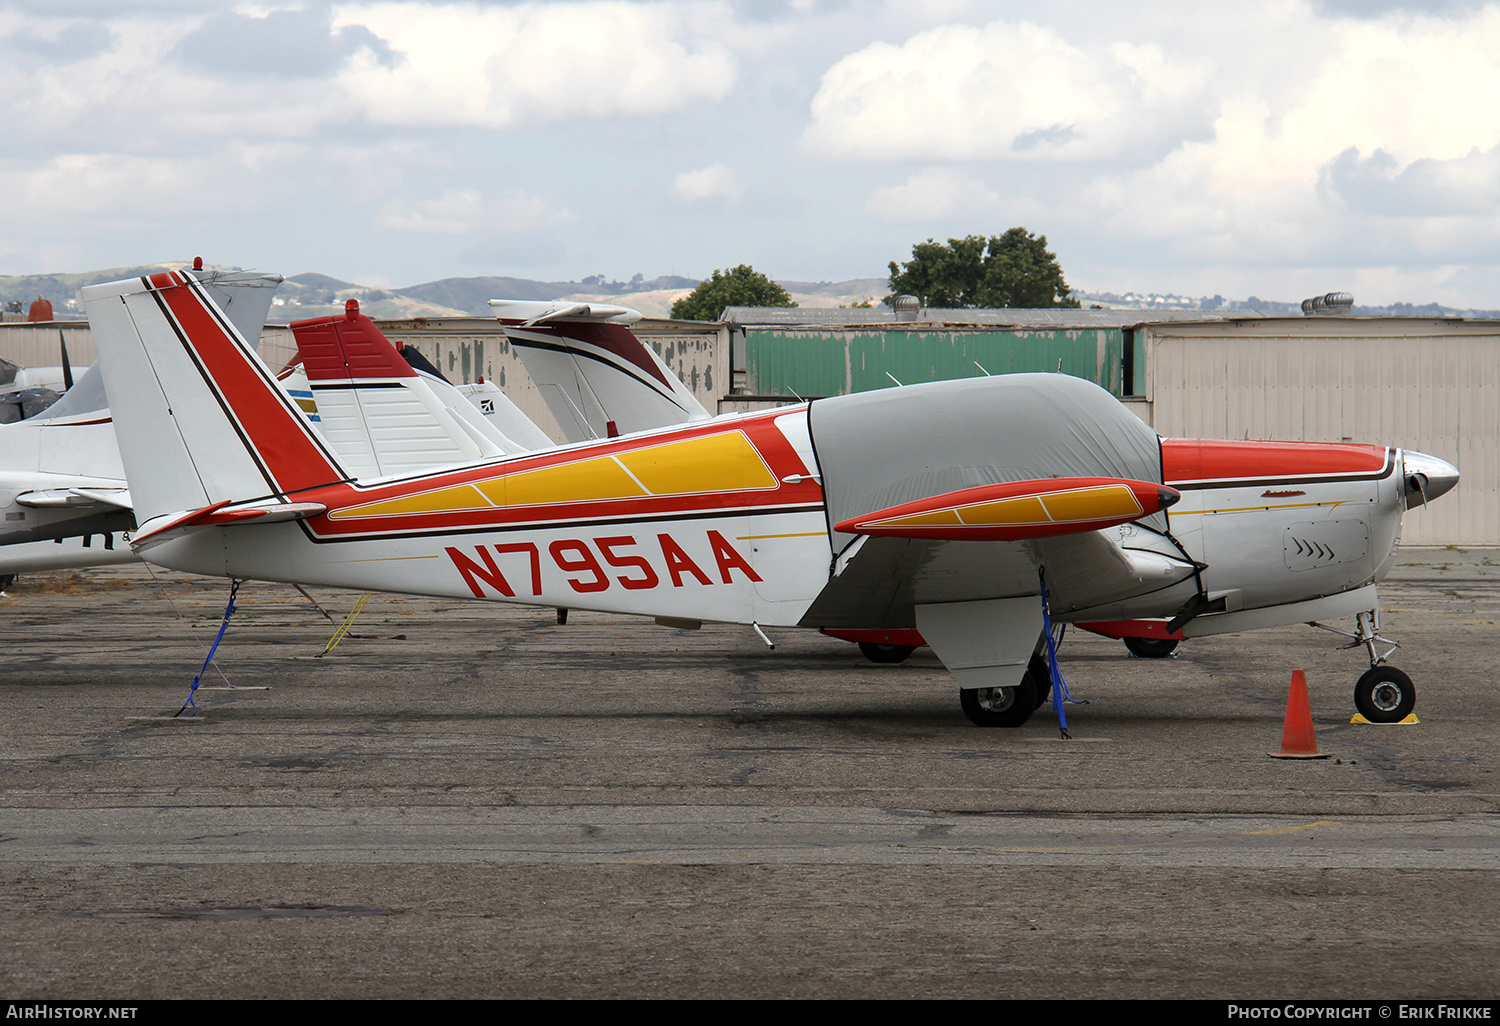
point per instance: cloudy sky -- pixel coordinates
(1273, 147)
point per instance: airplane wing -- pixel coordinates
(935, 527)
(597, 377)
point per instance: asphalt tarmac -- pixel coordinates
(494, 805)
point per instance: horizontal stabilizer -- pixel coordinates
(1018, 510)
(74, 498)
(106, 496)
(226, 514)
(532, 311)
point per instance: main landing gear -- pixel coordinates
(1384, 694)
(878, 653)
(1009, 707)
(1150, 648)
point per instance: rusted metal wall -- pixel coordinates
(820, 362)
(1429, 385)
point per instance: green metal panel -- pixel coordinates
(810, 362)
(1135, 356)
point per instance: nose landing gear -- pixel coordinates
(1384, 694)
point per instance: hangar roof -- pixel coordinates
(824, 317)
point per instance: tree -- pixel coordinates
(742, 286)
(1014, 269)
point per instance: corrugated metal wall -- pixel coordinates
(1433, 386)
(813, 362)
(36, 345)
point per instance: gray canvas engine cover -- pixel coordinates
(883, 448)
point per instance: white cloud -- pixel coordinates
(1004, 90)
(143, 77)
(536, 62)
(717, 181)
(1228, 144)
(105, 186)
(1377, 185)
(931, 195)
(1391, 122)
(467, 212)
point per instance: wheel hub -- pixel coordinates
(1386, 696)
(996, 699)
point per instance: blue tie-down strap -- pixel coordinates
(1060, 695)
(193, 687)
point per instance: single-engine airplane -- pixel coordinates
(965, 510)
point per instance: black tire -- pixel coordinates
(1385, 695)
(6, 580)
(1041, 678)
(1151, 648)
(1000, 707)
(885, 653)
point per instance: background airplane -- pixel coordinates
(62, 485)
(597, 377)
(946, 508)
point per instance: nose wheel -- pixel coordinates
(1384, 694)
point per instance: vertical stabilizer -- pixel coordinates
(592, 369)
(198, 417)
(243, 296)
(379, 414)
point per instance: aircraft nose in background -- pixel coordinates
(1436, 477)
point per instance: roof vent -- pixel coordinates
(1330, 304)
(910, 306)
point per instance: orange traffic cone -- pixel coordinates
(1297, 740)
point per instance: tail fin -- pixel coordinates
(242, 296)
(495, 406)
(379, 414)
(198, 417)
(592, 370)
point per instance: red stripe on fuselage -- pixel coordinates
(1187, 462)
(277, 433)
